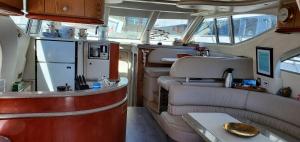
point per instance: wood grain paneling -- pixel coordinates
(75, 11)
(108, 125)
(142, 62)
(114, 62)
(65, 19)
(65, 7)
(62, 104)
(94, 9)
(293, 24)
(11, 7)
(36, 6)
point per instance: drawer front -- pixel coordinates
(65, 7)
(94, 9)
(36, 6)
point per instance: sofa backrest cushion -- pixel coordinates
(212, 67)
(207, 96)
(156, 55)
(278, 107)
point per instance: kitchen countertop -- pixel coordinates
(121, 84)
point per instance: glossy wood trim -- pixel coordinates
(65, 19)
(107, 126)
(61, 114)
(60, 104)
(142, 62)
(9, 10)
(287, 30)
(292, 24)
(92, 118)
(114, 62)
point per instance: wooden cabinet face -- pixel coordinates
(65, 7)
(292, 24)
(36, 6)
(94, 9)
(13, 3)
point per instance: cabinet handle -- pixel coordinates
(65, 8)
(4, 139)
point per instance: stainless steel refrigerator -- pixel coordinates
(55, 64)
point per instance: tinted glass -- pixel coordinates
(173, 29)
(206, 33)
(250, 25)
(34, 26)
(126, 27)
(223, 30)
(292, 64)
(91, 29)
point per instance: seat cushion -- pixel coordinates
(207, 96)
(157, 71)
(275, 106)
(177, 129)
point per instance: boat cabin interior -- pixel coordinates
(149, 70)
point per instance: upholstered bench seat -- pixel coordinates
(276, 114)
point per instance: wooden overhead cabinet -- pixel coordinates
(11, 7)
(77, 11)
(288, 18)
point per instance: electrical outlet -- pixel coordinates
(265, 84)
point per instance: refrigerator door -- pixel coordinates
(51, 75)
(55, 51)
(96, 69)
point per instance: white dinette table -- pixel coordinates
(210, 127)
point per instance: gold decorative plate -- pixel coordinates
(241, 129)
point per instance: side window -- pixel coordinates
(223, 30)
(34, 26)
(291, 64)
(206, 33)
(21, 22)
(173, 27)
(250, 25)
(125, 27)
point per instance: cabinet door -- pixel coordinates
(94, 9)
(11, 7)
(13, 3)
(73, 8)
(36, 6)
(52, 75)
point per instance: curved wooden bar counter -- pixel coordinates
(79, 116)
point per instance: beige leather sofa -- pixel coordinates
(207, 70)
(279, 115)
(151, 74)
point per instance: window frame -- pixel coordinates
(288, 56)
(231, 32)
